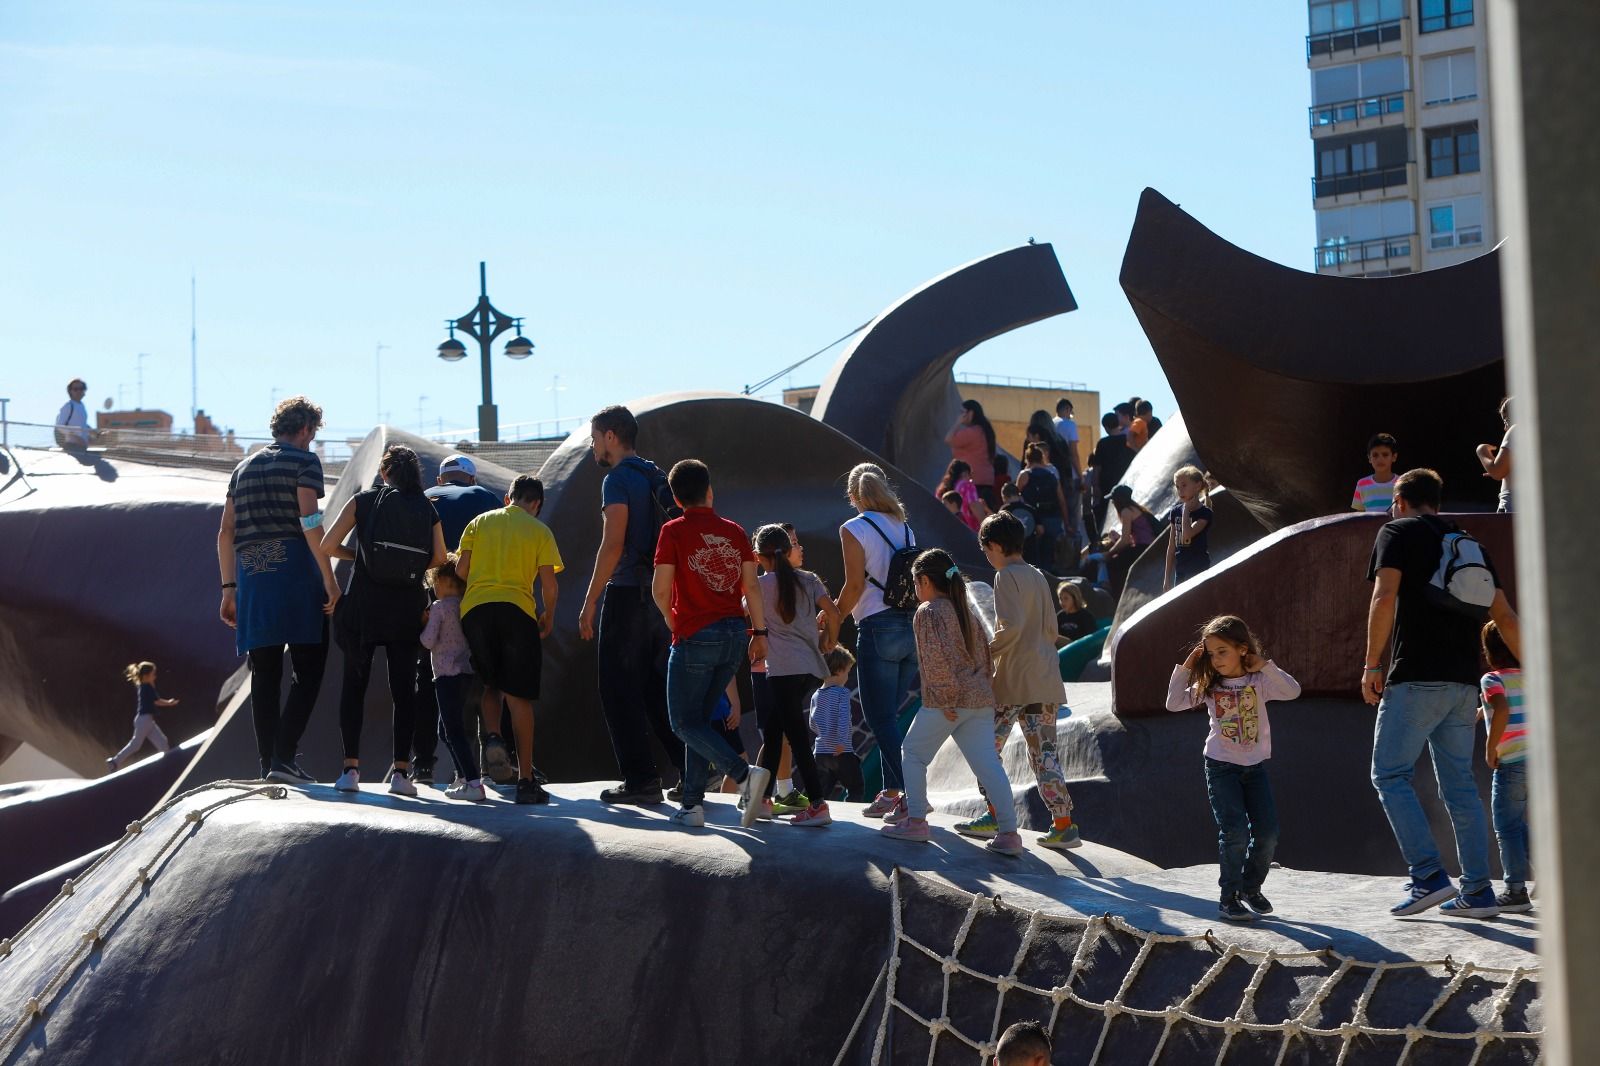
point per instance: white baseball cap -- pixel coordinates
(458, 464)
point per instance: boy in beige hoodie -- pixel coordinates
(1027, 676)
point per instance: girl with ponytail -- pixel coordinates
(802, 625)
(957, 700)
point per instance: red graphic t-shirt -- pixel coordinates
(708, 554)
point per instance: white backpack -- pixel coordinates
(1463, 582)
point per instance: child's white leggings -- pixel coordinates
(974, 733)
(144, 728)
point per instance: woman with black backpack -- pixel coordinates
(398, 538)
(880, 595)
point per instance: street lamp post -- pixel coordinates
(483, 324)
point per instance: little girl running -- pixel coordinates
(957, 700)
(143, 677)
(1227, 673)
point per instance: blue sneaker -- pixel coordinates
(1481, 904)
(1425, 894)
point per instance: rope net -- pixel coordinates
(962, 968)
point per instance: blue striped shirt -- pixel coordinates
(264, 489)
(830, 719)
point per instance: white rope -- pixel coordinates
(1093, 929)
(80, 947)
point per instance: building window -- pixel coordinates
(1365, 233)
(1452, 150)
(1344, 25)
(1449, 78)
(1358, 90)
(1359, 163)
(1445, 14)
(1455, 223)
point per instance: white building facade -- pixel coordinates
(1400, 133)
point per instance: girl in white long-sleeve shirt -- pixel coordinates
(1228, 674)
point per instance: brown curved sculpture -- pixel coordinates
(1285, 375)
(1304, 592)
(892, 390)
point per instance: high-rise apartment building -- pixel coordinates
(1400, 134)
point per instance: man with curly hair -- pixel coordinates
(277, 588)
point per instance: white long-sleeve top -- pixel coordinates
(1237, 710)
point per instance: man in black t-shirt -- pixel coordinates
(1110, 461)
(1429, 699)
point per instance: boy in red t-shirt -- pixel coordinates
(705, 575)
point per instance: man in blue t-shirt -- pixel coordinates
(458, 499)
(631, 637)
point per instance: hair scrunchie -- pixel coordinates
(953, 573)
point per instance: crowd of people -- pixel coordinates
(459, 589)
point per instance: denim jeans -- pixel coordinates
(1509, 804)
(974, 733)
(1247, 823)
(698, 670)
(450, 695)
(1438, 715)
(886, 664)
(631, 642)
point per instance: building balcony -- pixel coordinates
(1365, 257)
(1373, 39)
(1389, 109)
(1361, 186)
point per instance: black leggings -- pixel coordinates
(402, 664)
(278, 736)
(791, 695)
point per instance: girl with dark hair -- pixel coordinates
(802, 625)
(398, 538)
(1040, 486)
(957, 700)
(958, 479)
(1062, 461)
(1228, 674)
(1138, 533)
(971, 440)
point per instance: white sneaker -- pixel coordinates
(466, 790)
(754, 791)
(400, 784)
(694, 817)
(349, 781)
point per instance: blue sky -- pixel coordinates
(675, 196)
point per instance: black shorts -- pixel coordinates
(505, 648)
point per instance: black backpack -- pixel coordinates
(396, 541)
(663, 509)
(1040, 492)
(899, 588)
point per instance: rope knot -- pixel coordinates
(938, 1025)
(135, 827)
(1112, 1008)
(1413, 1034)
(1005, 984)
(91, 937)
(5, 947)
(67, 886)
(1231, 1026)
(142, 876)
(949, 965)
(1349, 1031)
(194, 817)
(32, 1008)
(1060, 994)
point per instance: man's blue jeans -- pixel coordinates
(1439, 715)
(886, 669)
(1247, 824)
(1508, 802)
(698, 670)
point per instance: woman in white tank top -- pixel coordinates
(886, 649)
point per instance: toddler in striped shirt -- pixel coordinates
(837, 762)
(1506, 752)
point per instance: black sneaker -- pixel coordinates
(421, 772)
(531, 792)
(289, 773)
(639, 795)
(1256, 902)
(675, 793)
(1514, 900)
(538, 775)
(1234, 910)
(497, 760)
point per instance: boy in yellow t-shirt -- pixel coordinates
(502, 554)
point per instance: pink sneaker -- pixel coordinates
(914, 829)
(898, 814)
(814, 816)
(1006, 844)
(882, 805)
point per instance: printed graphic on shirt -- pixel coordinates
(718, 563)
(1238, 714)
(262, 556)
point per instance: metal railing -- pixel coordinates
(1348, 40)
(1378, 249)
(1359, 181)
(548, 429)
(1021, 383)
(1328, 115)
(174, 449)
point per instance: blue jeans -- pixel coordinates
(1508, 803)
(886, 665)
(450, 696)
(698, 670)
(1247, 823)
(1439, 715)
